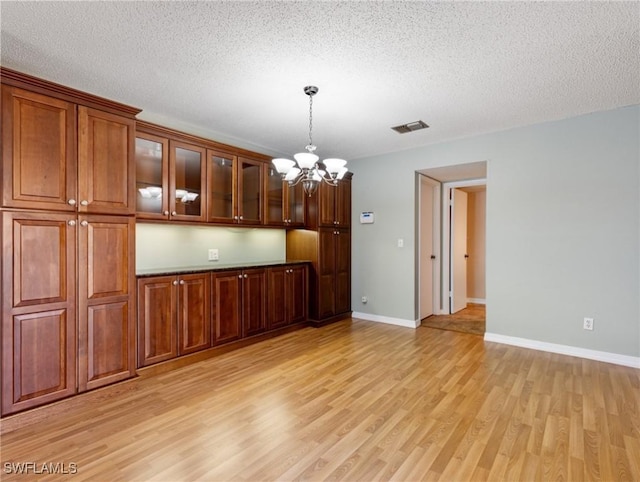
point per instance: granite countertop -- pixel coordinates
(213, 266)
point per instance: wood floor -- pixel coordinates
(355, 401)
(471, 319)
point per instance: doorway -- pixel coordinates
(458, 270)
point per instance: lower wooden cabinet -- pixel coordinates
(106, 287)
(173, 316)
(67, 305)
(329, 250)
(238, 304)
(287, 295)
(38, 309)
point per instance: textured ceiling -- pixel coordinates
(235, 70)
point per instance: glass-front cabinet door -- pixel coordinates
(152, 179)
(187, 182)
(274, 193)
(295, 205)
(221, 174)
(250, 191)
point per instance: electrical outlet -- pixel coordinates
(365, 299)
(213, 254)
(400, 243)
(588, 324)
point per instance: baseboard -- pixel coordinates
(477, 301)
(386, 319)
(603, 356)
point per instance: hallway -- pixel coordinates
(469, 320)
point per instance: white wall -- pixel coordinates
(176, 246)
(563, 229)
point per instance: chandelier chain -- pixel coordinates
(310, 119)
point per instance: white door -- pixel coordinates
(427, 194)
(458, 250)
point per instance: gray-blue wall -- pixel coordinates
(563, 229)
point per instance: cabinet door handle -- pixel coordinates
(166, 213)
(72, 223)
(84, 202)
(84, 223)
(241, 218)
(174, 213)
(181, 281)
(239, 276)
(175, 282)
(245, 276)
(71, 202)
(235, 218)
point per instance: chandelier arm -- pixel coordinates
(329, 180)
(296, 181)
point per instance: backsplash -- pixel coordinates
(172, 246)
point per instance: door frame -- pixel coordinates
(447, 274)
(437, 249)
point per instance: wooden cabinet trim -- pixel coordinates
(158, 130)
(41, 86)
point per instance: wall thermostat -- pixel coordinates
(366, 217)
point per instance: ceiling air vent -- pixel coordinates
(410, 127)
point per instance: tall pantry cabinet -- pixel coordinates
(68, 274)
(326, 242)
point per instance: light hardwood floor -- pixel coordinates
(356, 401)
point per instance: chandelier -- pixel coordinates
(306, 169)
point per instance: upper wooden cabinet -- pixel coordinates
(152, 176)
(64, 157)
(284, 205)
(187, 181)
(38, 151)
(235, 189)
(334, 204)
(170, 179)
(105, 162)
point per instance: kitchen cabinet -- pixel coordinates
(226, 306)
(284, 205)
(235, 189)
(38, 308)
(68, 241)
(327, 244)
(39, 145)
(239, 302)
(64, 157)
(173, 316)
(105, 168)
(58, 263)
(157, 311)
(333, 295)
(194, 314)
(334, 204)
(106, 287)
(152, 176)
(170, 179)
(254, 301)
(286, 295)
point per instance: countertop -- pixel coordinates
(213, 266)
